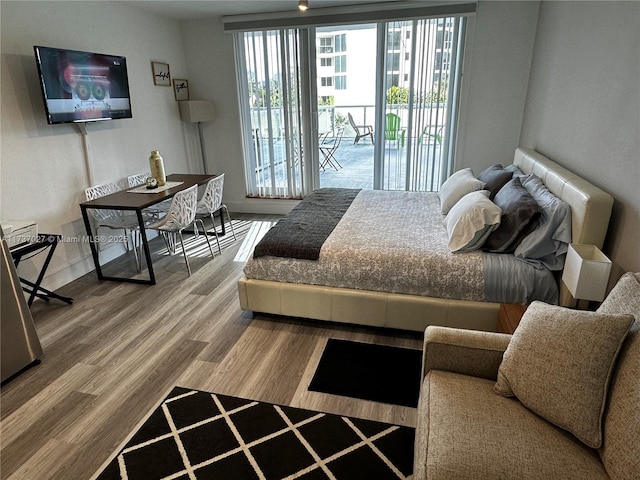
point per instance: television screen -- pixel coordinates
(82, 86)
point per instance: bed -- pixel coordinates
(411, 299)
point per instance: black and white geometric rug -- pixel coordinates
(201, 435)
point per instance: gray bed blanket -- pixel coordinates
(303, 231)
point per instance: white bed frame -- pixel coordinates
(591, 210)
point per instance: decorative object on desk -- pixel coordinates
(198, 111)
(152, 183)
(161, 75)
(167, 186)
(19, 232)
(156, 164)
(586, 272)
(181, 89)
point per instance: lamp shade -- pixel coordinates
(193, 111)
(586, 272)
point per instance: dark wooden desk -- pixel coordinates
(124, 200)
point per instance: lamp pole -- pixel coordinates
(204, 152)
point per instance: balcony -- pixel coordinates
(356, 166)
(352, 164)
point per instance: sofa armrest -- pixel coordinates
(468, 352)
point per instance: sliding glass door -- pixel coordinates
(346, 62)
(420, 97)
(366, 106)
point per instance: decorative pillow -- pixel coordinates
(547, 245)
(624, 297)
(456, 187)
(495, 177)
(471, 220)
(520, 214)
(515, 170)
(559, 363)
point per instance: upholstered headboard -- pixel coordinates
(590, 206)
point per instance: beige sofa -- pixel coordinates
(467, 431)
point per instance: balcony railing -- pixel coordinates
(356, 166)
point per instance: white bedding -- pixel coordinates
(389, 241)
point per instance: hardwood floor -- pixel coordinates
(113, 355)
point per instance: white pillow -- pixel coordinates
(471, 220)
(456, 187)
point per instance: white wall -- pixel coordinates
(495, 80)
(42, 167)
(583, 107)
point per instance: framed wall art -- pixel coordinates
(161, 75)
(181, 89)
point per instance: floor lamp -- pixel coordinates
(198, 111)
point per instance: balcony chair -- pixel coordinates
(328, 148)
(393, 131)
(211, 202)
(116, 219)
(182, 214)
(431, 135)
(361, 130)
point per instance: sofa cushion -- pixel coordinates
(621, 450)
(465, 431)
(559, 363)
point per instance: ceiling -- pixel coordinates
(194, 9)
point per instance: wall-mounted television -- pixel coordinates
(82, 86)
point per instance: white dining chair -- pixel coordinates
(211, 202)
(182, 214)
(116, 219)
(137, 179)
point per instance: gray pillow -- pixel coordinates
(547, 245)
(495, 177)
(515, 170)
(520, 214)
